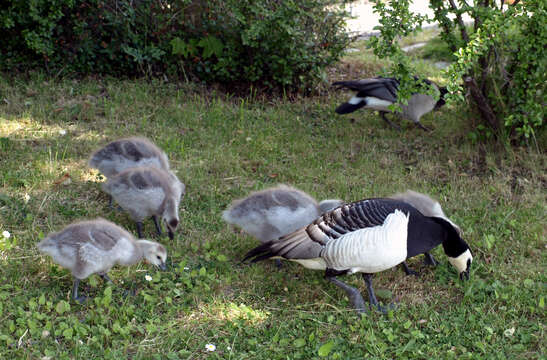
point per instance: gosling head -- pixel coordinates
(457, 250)
(154, 253)
(171, 217)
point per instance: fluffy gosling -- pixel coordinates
(94, 247)
(274, 212)
(126, 153)
(148, 192)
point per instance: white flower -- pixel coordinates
(210, 347)
(62, 132)
(509, 332)
(186, 268)
(229, 348)
(6, 234)
(26, 197)
(147, 277)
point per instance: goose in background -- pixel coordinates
(274, 212)
(95, 246)
(126, 153)
(380, 92)
(428, 207)
(367, 236)
(148, 192)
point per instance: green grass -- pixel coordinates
(223, 148)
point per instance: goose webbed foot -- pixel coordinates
(105, 277)
(393, 125)
(139, 229)
(430, 260)
(408, 270)
(79, 298)
(157, 224)
(372, 297)
(353, 294)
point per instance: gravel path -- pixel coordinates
(365, 19)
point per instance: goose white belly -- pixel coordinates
(371, 102)
(370, 250)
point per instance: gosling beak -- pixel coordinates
(163, 267)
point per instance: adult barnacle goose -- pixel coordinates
(367, 236)
(380, 92)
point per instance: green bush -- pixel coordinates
(285, 44)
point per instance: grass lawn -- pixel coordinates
(223, 148)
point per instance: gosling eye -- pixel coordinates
(159, 258)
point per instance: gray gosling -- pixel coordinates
(126, 153)
(148, 192)
(428, 207)
(274, 212)
(94, 247)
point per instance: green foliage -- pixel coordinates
(285, 44)
(502, 59)
(508, 57)
(397, 21)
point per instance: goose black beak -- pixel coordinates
(464, 275)
(162, 266)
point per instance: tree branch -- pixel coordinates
(482, 103)
(465, 37)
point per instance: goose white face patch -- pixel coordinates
(460, 262)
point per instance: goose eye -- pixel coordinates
(159, 258)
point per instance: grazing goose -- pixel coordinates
(95, 246)
(127, 153)
(148, 191)
(379, 93)
(428, 207)
(367, 236)
(275, 212)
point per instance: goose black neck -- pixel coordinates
(424, 234)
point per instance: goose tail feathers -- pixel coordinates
(297, 245)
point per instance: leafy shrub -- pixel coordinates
(501, 59)
(284, 44)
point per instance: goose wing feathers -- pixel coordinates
(379, 87)
(309, 242)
